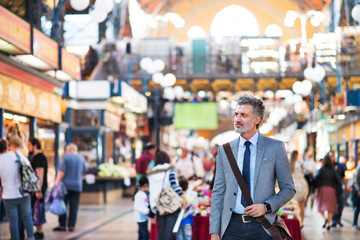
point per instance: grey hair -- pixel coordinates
(257, 104)
(72, 147)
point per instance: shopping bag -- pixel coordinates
(38, 213)
(58, 207)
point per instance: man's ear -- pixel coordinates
(257, 120)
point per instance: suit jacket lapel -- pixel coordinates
(259, 156)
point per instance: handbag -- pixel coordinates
(38, 213)
(278, 230)
(168, 201)
(58, 207)
(30, 182)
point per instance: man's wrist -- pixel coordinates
(267, 207)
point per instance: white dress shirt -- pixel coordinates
(239, 208)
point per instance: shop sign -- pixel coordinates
(45, 48)
(25, 99)
(15, 31)
(112, 121)
(357, 130)
(30, 94)
(13, 94)
(341, 135)
(332, 137)
(70, 64)
(99, 89)
(348, 132)
(55, 113)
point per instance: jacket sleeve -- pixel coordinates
(141, 203)
(284, 179)
(217, 196)
(173, 182)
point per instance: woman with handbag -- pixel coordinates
(326, 180)
(17, 204)
(162, 185)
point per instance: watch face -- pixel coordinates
(268, 207)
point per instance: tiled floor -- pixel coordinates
(116, 221)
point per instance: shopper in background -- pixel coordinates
(164, 175)
(187, 222)
(309, 173)
(141, 208)
(340, 193)
(356, 198)
(70, 173)
(16, 204)
(230, 216)
(301, 186)
(326, 181)
(40, 164)
(142, 163)
(189, 165)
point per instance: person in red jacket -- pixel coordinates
(142, 163)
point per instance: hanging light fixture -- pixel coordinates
(79, 5)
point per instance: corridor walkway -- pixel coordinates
(116, 221)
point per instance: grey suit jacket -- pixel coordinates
(271, 164)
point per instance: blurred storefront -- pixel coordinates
(101, 118)
(31, 79)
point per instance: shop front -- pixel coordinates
(28, 111)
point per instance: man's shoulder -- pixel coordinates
(8, 156)
(268, 140)
(73, 156)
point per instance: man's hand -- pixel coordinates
(39, 195)
(255, 210)
(215, 236)
(185, 203)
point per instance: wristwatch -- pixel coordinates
(267, 207)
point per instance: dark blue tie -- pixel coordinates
(246, 170)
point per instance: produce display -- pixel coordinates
(112, 170)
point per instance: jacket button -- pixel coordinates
(230, 209)
(234, 193)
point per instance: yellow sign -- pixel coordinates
(14, 30)
(22, 98)
(70, 64)
(45, 48)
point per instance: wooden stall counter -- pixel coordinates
(102, 191)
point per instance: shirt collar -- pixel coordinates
(253, 140)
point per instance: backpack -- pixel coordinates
(30, 182)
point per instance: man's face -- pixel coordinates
(184, 152)
(244, 119)
(152, 151)
(30, 147)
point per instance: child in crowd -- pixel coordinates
(185, 229)
(141, 207)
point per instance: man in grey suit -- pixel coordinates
(263, 161)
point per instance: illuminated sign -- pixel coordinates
(70, 64)
(45, 48)
(15, 32)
